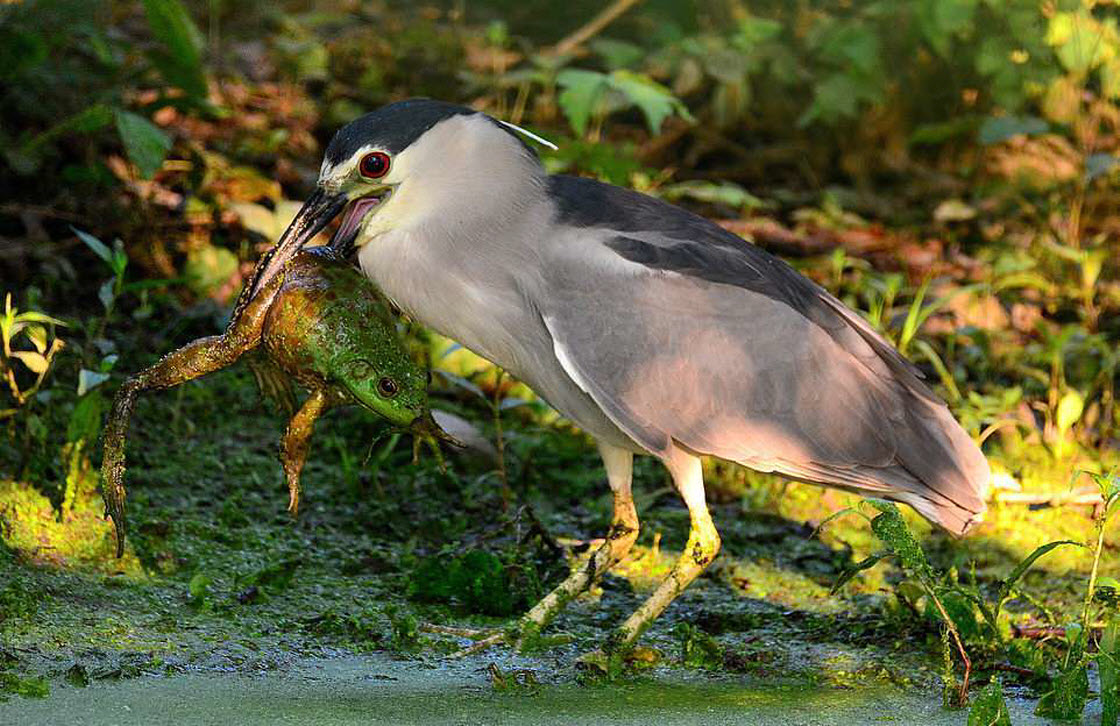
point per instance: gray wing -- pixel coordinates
(711, 344)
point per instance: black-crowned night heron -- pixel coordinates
(653, 329)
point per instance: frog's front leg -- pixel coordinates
(193, 360)
(297, 438)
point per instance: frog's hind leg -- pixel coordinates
(193, 360)
(297, 439)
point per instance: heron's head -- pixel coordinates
(409, 164)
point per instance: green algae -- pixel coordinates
(209, 507)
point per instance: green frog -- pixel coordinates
(317, 321)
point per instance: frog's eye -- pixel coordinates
(387, 387)
(374, 165)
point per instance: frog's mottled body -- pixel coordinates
(328, 327)
(320, 322)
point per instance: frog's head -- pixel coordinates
(391, 386)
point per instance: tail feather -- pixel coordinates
(952, 471)
(942, 472)
(938, 470)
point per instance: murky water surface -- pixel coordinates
(379, 689)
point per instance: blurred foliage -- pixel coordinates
(949, 168)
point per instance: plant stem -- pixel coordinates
(1096, 563)
(962, 692)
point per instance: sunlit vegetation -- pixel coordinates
(949, 169)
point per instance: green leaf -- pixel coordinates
(93, 118)
(1021, 569)
(933, 134)
(85, 420)
(1079, 41)
(106, 294)
(180, 58)
(1109, 484)
(1002, 128)
(850, 571)
(725, 193)
(583, 90)
(989, 708)
(839, 96)
(1110, 78)
(915, 316)
(209, 268)
(145, 144)
(37, 334)
(36, 362)
(617, 53)
(199, 587)
(97, 246)
(32, 316)
(962, 612)
(119, 261)
(1066, 700)
(1069, 411)
(849, 44)
(942, 20)
(754, 31)
(655, 101)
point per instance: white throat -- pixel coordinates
(465, 178)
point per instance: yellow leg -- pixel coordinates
(702, 547)
(624, 530)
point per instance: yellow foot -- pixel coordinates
(595, 663)
(609, 665)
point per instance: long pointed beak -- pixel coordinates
(315, 214)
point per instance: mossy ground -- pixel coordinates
(218, 576)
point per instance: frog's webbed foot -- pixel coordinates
(426, 432)
(274, 384)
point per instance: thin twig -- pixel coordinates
(592, 28)
(471, 633)
(1088, 497)
(1031, 632)
(480, 646)
(1017, 670)
(962, 692)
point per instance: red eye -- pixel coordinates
(374, 165)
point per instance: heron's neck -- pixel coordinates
(464, 269)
